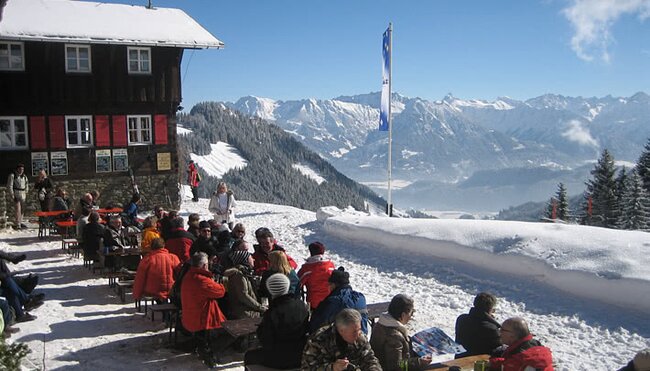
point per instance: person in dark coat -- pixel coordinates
(523, 352)
(193, 221)
(204, 243)
(44, 190)
(93, 235)
(478, 331)
(284, 327)
(341, 296)
(641, 362)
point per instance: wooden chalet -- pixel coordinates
(89, 92)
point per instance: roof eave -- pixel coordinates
(61, 39)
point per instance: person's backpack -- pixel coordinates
(175, 292)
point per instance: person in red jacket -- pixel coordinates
(201, 312)
(180, 241)
(314, 274)
(155, 275)
(193, 180)
(264, 248)
(523, 351)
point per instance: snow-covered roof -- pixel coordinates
(102, 23)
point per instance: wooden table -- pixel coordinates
(375, 310)
(241, 327)
(466, 363)
(44, 218)
(114, 210)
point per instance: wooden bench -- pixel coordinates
(466, 363)
(66, 243)
(122, 287)
(172, 312)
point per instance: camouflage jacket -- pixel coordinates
(325, 346)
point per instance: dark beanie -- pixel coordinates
(316, 248)
(204, 224)
(339, 277)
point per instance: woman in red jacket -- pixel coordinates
(201, 312)
(315, 273)
(155, 275)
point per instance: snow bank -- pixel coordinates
(606, 265)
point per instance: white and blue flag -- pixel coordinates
(384, 110)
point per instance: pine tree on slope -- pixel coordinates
(562, 202)
(643, 166)
(602, 190)
(621, 193)
(636, 213)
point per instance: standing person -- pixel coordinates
(193, 179)
(314, 274)
(283, 330)
(478, 331)
(44, 187)
(18, 186)
(221, 205)
(523, 351)
(390, 339)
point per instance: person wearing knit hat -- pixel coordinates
(315, 273)
(283, 330)
(242, 296)
(641, 362)
(278, 285)
(342, 296)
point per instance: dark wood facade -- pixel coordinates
(45, 93)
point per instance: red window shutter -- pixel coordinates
(57, 132)
(119, 131)
(37, 132)
(161, 128)
(102, 131)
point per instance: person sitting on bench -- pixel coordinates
(155, 275)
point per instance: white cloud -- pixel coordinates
(592, 21)
(578, 133)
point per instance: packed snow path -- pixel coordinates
(83, 325)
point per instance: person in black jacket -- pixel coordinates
(204, 242)
(283, 331)
(93, 237)
(477, 330)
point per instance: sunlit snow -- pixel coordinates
(222, 158)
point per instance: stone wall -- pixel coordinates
(115, 189)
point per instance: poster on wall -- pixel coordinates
(103, 161)
(164, 161)
(39, 161)
(120, 160)
(59, 163)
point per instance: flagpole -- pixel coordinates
(389, 206)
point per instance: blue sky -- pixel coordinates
(290, 49)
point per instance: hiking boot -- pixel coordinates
(10, 330)
(26, 317)
(32, 303)
(40, 296)
(18, 259)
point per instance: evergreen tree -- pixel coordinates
(643, 166)
(602, 191)
(636, 213)
(621, 192)
(562, 203)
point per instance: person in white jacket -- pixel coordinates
(17, 187)
(222, 204)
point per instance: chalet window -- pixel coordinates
(139, 129)
(12, 56)
(79, 131)
(77, 58)
(13, 132)
(139, 60)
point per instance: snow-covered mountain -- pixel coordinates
(450, 139)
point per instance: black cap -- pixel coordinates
(340, 277)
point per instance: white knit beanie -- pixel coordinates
(278, 285)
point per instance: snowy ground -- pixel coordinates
(83, 325)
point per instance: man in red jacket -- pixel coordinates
(155, 275)
(263, 249)
(523, 351)
(180, 241)
(201, 312)
(315, 273)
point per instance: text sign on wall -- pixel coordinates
(103, 158)
(59, 163)
(164, 161)
(39, 161)
(120, 159)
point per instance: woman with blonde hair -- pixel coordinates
(149, 233)
(221, 205)
(280, 264)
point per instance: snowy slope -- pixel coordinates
(309, 172)
(82, 324)
(222, 158)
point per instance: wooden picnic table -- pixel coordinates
(241, 327)
(466, 363)
(52, 213)
(44, 219)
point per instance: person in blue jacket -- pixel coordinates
(341, 296)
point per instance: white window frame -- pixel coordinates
(138, 130)
(77, 47)
(79, 132)
(8, 45)
(140, 60)
(13, 133)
